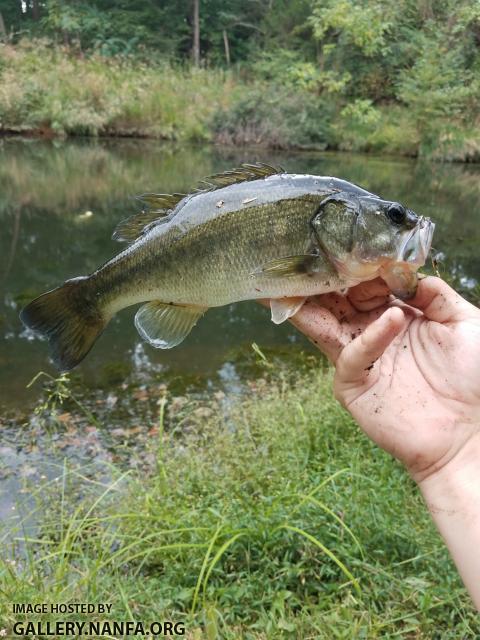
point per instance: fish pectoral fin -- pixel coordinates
(289, 266)
(284, 308)
(166, 325)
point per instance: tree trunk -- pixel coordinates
(196, 33)
(227, 47)
(3, 30)
(35, 10)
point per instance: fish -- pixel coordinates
(250, 233)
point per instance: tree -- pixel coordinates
(196, 33)
(3, 30)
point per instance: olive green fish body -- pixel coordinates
(253, 233)
(209, 250)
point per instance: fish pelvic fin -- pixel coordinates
(166, 325)
(70, 318)
(284, 308)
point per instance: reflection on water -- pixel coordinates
(59, 203)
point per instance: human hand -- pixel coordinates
(408, 373)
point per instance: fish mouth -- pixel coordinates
(416, 243)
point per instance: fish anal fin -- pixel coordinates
(284, 308)
(165, 325)
(289, 266)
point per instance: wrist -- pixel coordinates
(452, 494)
(454, 487)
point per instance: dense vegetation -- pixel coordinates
(264, 517)
(400, 76)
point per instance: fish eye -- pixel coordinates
(397, 213)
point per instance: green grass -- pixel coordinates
(266, 516)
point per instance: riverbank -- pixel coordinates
(254, 516)
(54, 92)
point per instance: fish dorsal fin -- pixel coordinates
(161, 201)
(158, 207)
(130, 229)
(243, 173)
(166, 325)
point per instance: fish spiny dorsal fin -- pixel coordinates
(244, 173)
(129, 229)
(161, 201)
(159, 206)
(157, 209)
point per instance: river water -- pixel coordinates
(60, 201)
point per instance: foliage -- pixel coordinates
(57, 93)
(362, 25)
(269, 517)
(53, 92)
(440, 88)
(119, 27)
(275, 116)
(351, 70)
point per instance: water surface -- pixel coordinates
(60, 201)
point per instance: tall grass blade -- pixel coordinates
(325, 550)
(204, 566)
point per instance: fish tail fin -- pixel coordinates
(70, 317)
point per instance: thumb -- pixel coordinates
(359, 355)
(439, 302)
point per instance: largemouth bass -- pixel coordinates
(254, 232)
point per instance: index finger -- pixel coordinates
(321, 327)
